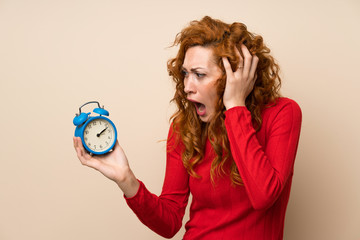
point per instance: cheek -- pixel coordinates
(212, 95)
(213, 89)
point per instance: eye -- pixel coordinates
(200, 75)
(184, 73)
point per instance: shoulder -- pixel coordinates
(282, 104)
(282, 110)
(174, 139)
(283, 101)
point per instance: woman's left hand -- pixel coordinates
(240, 83)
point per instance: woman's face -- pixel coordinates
(200, 76)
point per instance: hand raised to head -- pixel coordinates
(240, 83)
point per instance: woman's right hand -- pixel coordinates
(113, 165)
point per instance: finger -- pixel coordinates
(78, 142)
(254, 63)
(253, 82)
(86, 159)
(92, 162)
(80, 150)
(117, 145)
(247, 59)
(83, 156)
(227, 67)
(241, 60)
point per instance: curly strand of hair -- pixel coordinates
(191, 135)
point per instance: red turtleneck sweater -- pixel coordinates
(256, 210)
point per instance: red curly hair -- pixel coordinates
(222, 38)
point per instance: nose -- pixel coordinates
(189, 85)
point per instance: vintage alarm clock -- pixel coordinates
(98, 133)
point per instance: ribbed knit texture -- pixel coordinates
(254, 211)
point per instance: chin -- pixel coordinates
(205, 118)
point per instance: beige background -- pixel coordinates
(56, 55)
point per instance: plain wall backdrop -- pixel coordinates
(56, 55)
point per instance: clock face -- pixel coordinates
(99, 135)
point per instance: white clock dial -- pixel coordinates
(99, 135)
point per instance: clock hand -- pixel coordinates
(98, 135)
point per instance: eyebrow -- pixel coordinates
(193, 69)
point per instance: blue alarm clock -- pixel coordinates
(98, 133)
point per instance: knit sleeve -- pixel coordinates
(264, 169)
(164, 214)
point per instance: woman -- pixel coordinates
(232, 142)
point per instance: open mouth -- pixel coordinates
(200, 108)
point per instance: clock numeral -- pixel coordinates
(100, 123)
(94, 123)
(89, 144)
(106, 124)
(86, 132)
(109, 137)
(85, 139)
(109, 131)
(95, 146)
(101, 146)
(107, 143)
(89, 126)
